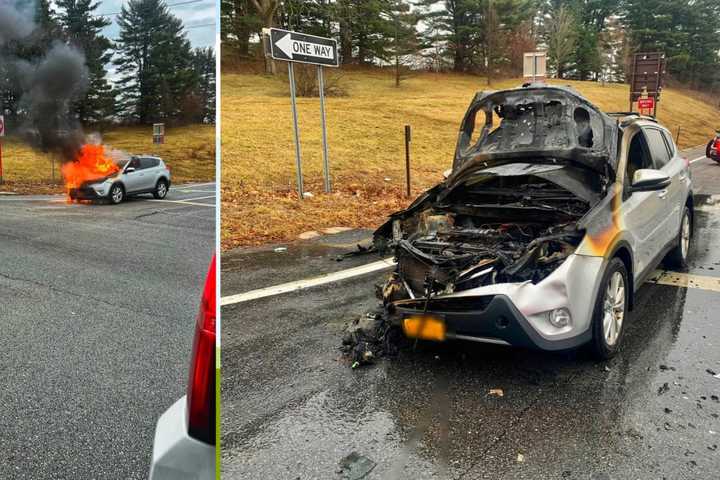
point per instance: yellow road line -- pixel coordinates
(687, 280)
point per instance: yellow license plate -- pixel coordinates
(425, 327)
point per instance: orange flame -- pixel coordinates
(90, 164)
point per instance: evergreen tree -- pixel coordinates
(238, 21)
(204, 66)
(83, 30)
(404, 40)
(154, 61)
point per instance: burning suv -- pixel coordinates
(552, 217)
(134, 176)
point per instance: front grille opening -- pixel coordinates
(450, 305)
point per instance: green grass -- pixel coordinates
(188, 150)
(365, 132)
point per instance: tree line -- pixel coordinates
(150, 73)
(584, 39)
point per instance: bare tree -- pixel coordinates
(561, 38)
(266, 10)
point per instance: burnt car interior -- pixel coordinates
(529, 164)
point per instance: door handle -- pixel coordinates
(663, 194)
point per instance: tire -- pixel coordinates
(707, 149)
(116, 194)
(606, 313)
(677, 257)
(161, 189)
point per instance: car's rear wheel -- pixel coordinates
(161, 189)
(608, 324)
(117, 194)
(677, 257)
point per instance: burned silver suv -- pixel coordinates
(553, 216)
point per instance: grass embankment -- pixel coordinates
(365, 135)
(189, 151)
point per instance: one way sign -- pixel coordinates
(298, 47)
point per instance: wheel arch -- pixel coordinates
(623, 251)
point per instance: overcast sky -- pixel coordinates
(198, 16)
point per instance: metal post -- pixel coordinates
(407, 159)
(326, 162)
(677, 138)
(298, 163)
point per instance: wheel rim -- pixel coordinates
(685, 236)
(162, 189)
(614, 308)
(117, 194)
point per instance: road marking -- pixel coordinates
(698, 159)
(687, 280)
(196, 198)
(192, 185)
(659, 277)
(378, 266)
(211, 205)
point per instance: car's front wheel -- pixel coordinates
(117, 193)
(610, 310)
(161, 189)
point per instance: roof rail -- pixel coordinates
(624, 118)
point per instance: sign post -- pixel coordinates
(2, 134)
(407, 160)
(326, 163)
(298, 163)
(646, 80)
(294, 47)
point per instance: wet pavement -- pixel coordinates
(293, 409)
(97, 309)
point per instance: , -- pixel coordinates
(184, 446)
(552, 217)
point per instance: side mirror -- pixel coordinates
(129, 169)
(649, 180)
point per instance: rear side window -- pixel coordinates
(670, 143)
(658, 147)
(149, 162)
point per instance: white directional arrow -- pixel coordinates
(285, 45)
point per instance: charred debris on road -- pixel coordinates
(530, 163)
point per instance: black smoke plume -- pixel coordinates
(47, 86)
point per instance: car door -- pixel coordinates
(642, 211)
(133, 179)
(663, 161)
(149, 173)
(679, 171)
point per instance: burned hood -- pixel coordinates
(534, 124)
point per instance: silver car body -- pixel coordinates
(640, 227)
(139, 175)
(176, 455)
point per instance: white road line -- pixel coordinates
(378, 266)
(192, 185)
(211, 205)
(660, 277)
(698, 159)
(196, 198)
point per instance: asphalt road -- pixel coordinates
(97, 310)
(293, 409)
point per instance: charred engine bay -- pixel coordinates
(494, 229)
